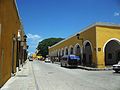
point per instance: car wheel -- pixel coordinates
(116, 71)
(61, 65)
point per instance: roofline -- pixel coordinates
(17, 10)
(18, 14)
(88, 27)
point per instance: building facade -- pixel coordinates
(10, 41)
(97, 45)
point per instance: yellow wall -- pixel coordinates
(98, 35)
(103, 35)
(89, 34)
(10, 24)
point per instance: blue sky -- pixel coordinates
(61, 18)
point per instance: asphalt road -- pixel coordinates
(50, 76)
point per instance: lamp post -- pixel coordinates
(78, 37)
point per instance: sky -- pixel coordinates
(62, 18)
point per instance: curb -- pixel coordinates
(95, 69)
(90, 68)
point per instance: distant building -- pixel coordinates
(34, 56)
(98, 45)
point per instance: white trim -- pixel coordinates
(17, 10)
(71, 46)
(61, 51)
(109, 41)
(84, 43)
(75, 46)
(87, 28)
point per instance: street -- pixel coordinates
(38, 75)
(53, 77)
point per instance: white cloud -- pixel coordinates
(33, 37)
(33, 40)
(116, 13)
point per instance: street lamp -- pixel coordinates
(25, 37)
(78, 37)
(24, 41)
(27, 46)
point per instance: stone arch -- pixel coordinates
(112, 51)
(87, 53)
(86, 41)
(77, 50)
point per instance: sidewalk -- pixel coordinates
(90, 68)
(23, 80)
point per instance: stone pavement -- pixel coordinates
(23, 80)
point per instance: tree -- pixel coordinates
(43, 45)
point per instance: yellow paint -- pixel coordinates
(9, 25)
(105, 33)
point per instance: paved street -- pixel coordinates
(47, 76)
(53, 77)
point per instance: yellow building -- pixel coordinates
(34, 55)
(98, 45)
(12, 40)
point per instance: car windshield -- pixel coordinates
(74, 57)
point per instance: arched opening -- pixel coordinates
(71, 50)
(87, 54)
(78, 53)
(66, 51)
(77, 50)
(112, 52)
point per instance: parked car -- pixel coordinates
(47, 60)
(69, 61)
(116, 67)
(30, 58)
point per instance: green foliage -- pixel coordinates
(43, 45)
